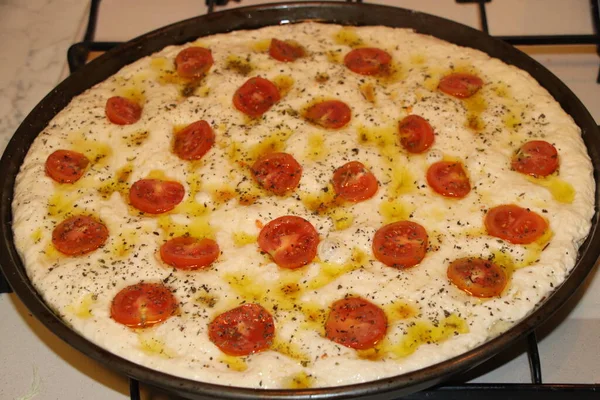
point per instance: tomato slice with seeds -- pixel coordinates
(330, 114)
(155, 196)
(66, 166)
(368, 61)
(515, 224)
(188, 253)
(461, 85)
(354, 182)
(242, 331)
(536, 158)
(122, 111)
(194, 141)
(79, 235)
(416, 134)
(256, 96)
(401, 244)
(193, 62)
(285, 51)
(278, 173)
(143, 305)
(291, 241)
(477, 276)
(449, 179)
(356, 323)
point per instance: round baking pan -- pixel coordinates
(253, 18)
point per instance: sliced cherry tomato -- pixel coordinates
(401, 244)
(515, 224)
(477, 276)
(330, 114)
(143, 305)
(461, 85)
(291, 241)
(79, 235)
(194, 141)
(242, 331)
(356, 323)
(536, 158)
(66, 166)
(188, 253)
(368, 61)
(122, 111)
(256, 96)
(354, 182)
(277, 172)
(285, 51)
(449, 179)
(416, 134)
(193, 62)
(154, 196)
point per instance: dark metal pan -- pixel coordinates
(252, 18)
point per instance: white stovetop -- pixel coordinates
(34, 37)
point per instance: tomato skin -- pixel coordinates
(188, 253)
(193, 62)
(449, 179)
(460, 85)
(368, 61)
(285, 51)
(256, 96)
(143, 305)
(66, 166)
(278, 173)
(194, 141)
(242, 331)
(354, 182)
(79, 235)
(329, 114)
(401, 244)
(477, 276)
(154, 196)
(536, 158)
(515, 224)
(416, 134)
(356, 323)
(291, 241)
(122, 111)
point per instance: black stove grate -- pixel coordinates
(77, 57)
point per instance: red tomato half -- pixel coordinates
(122, 111)
(536, 158)
(416, 134)
(401, 244)
(189, 253)
(449, 179)
(368, 61)
(277, 172)
(256, 96)
(143, 305)
(330, 114)
(356, 323)
(291, 241)
(79, 235)
(285, 51)
(515, 224)
(194, 141)
(193, 62)
(242, 331)
(460, 85)
(354, 182)
(154, 196)
(477, 276)
(66, 166)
